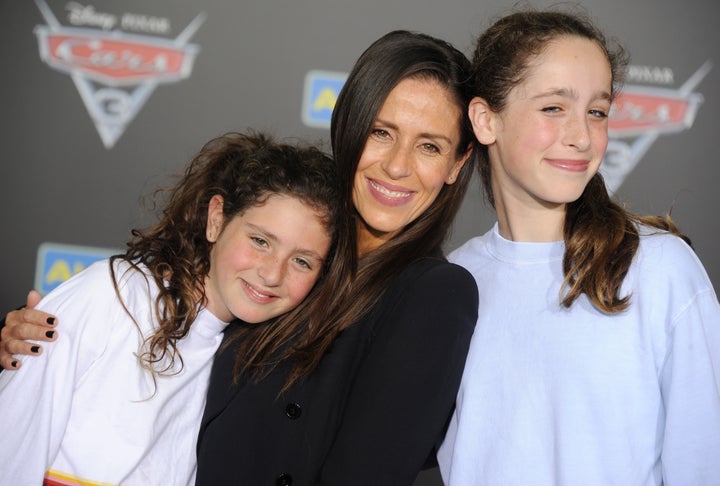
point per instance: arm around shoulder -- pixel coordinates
(19, 327)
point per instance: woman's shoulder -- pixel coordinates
(437, 271)
(432, 297)
(432, 284)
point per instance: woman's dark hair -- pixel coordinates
(397, 56)
(245, 169)
(394, 57)
(601, 237)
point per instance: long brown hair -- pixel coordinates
(245, 169)
(394, 57)
(601, 237)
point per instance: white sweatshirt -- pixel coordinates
(84, 411)
(565, 397)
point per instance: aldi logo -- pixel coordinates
(115, 72)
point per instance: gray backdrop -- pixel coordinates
(63, 184)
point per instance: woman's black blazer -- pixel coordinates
(370, 415)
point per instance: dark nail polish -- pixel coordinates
(50, 320)
(14, 364)
(50, 334)
(35, 349)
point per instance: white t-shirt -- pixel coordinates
(85, 411)
(565, 397)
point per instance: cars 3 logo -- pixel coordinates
(640, 115)
(114, 72)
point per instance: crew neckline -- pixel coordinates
(523, 251)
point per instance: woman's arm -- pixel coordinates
(21, 326)
(404, 392)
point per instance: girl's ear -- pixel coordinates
(482, 118)
(215, 218)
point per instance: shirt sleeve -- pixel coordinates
(404, 392)
(690, 375)
(35, 400)
(691, 393)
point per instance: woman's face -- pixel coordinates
(264, 261)
(410, 154)
(549, 140)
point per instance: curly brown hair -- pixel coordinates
(245, 169)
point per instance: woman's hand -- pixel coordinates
(23, 325)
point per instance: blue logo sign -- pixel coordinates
(321, 91)
(57, 263)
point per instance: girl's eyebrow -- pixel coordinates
(571, 93)
(311, 254)
(264, 231)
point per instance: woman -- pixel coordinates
(596, 357)
(363, 394)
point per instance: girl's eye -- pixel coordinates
(599, 113)
(551, 109)
(259, 241)
(303, 263)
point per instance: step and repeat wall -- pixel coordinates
(104, 101)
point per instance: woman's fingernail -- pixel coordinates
(35, 349)
(14, 364)
(50, 334)
(50, 320)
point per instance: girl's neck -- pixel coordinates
(520, 222)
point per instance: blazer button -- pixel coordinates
(284, 480)
(293, 411)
